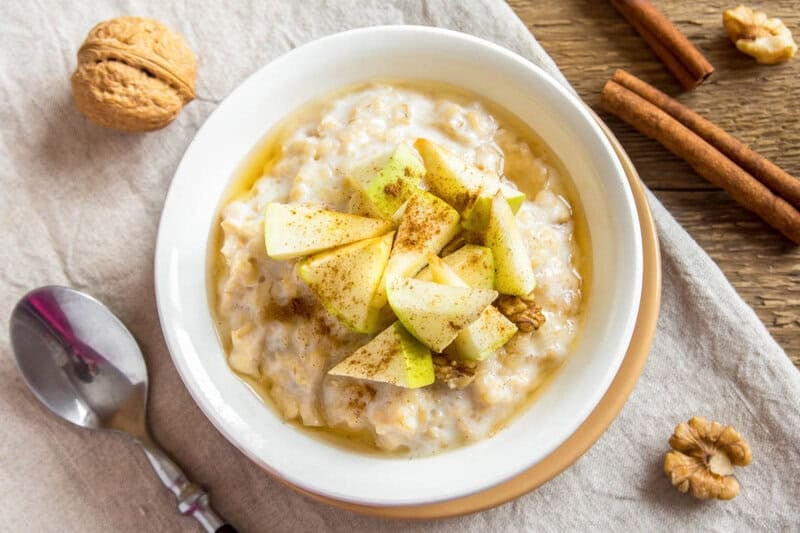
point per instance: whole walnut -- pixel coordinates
(133, 74)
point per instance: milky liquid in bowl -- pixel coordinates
(316, 69)
(305, 159)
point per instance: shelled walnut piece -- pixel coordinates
(454, 374)
(133, 74)
(522, 311)
(766, 39)
(702, 459)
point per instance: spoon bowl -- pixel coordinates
(80, 360)
(84, 365)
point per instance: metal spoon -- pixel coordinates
(81, 362)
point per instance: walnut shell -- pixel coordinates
(133, 74)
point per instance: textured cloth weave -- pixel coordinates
(80, 207)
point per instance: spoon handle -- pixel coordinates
(192, 500)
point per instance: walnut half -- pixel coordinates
(766, 39)
(522, 311)
(702, 458)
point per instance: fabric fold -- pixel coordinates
(80, 206)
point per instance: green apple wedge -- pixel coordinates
(443, 274)
(513, 196)
(481, 339)
(464, 186)
(388, 181)
(477, 218)
(359, 204)
(472, 263)
(513, 273)
(294, 230)
(427, 225)
(345, 280)
(449, 177)
(393, 356)
(487, 334)
(435, 313)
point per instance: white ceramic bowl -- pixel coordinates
(315, 69)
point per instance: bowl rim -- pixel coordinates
(209, 408)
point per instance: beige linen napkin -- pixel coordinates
(80, 207)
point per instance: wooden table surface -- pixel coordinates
(758, 104)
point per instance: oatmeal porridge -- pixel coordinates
(276, 307)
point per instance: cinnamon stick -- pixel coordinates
(702, 157)
(764, 170)
(678, 54)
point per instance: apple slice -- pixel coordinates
(427, 225)
(359, 204)
(294, 230)
(388, 181)
(512, 266)
(435, 313)
(513, 196)
(450, 177)
(477, 217)
(442, 273)
(464, 186)
(394, 356)
(345, 280)
(481, 338)
(472, 263)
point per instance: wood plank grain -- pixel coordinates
(764, 269)
(589, 39)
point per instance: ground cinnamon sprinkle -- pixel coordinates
(322, 328)
(301, 307)
(465, 200)
(297, 307)
(358, 402)
(420, 223)
(393, 189)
